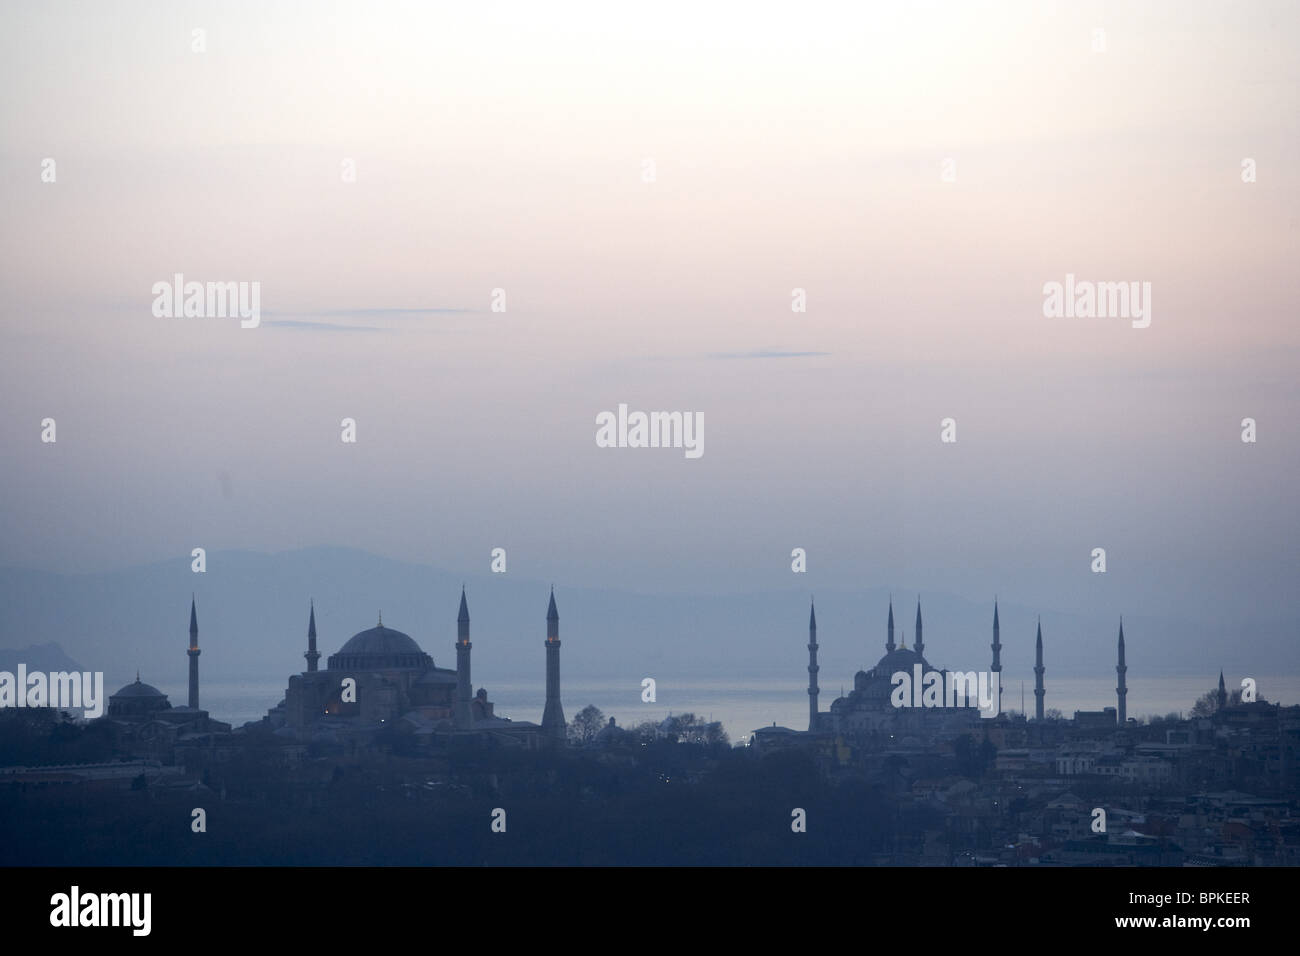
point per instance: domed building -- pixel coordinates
(377, 676)
(137, 700)
(144, 722)
(868, 708)
(381, 676)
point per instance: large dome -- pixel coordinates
(378, 648)
(900, 659)
(878, 683)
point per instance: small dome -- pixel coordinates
(139, 689)
(137, 700)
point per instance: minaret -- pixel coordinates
(889, 644)
(464, 690)
(194, 655)
(553, 716)
(1223, 693)
(1038, 672)
(312, 654)
(918, 645)
(1121, 690)
(997, 653)
(812, 667)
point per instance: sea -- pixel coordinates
(744, 705)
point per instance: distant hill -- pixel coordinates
(37, 657)
(252, 614)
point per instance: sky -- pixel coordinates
(648, 186)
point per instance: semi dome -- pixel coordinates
(379, 648)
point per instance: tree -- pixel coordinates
(987, 754)
(1052, 713)
(1209, 702)
(688, 728)
(644, 732)
(973, 760)
(586, 724)
(714, 734)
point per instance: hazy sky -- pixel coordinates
(793, 146)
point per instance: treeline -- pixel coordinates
(559, 809)
(590, 726)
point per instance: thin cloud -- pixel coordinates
(306, 323)
(763, 354)
(375, 313)
(322, 326)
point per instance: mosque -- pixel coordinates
(143, 721)
(381, 677)
(868, 711)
